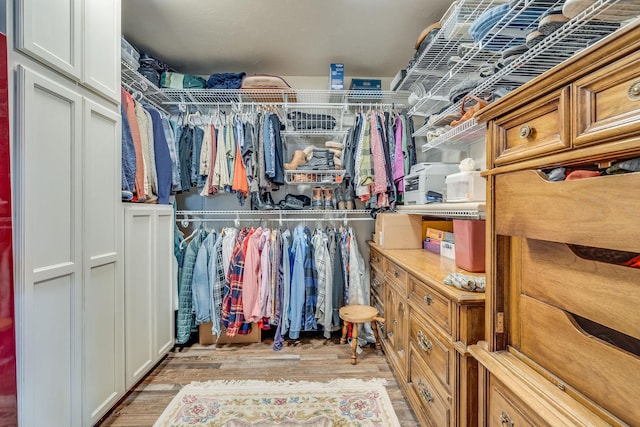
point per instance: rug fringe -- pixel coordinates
(254, 384)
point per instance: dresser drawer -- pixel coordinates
(607, 103)
(397, 275)
(432, 350)
(582, 357)
(605, 293)
(540, 127)
(584, 211)
(431, 303)
(435, 404)
(377, 282)
(376, 259)
(506, 410)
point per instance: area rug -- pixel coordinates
(339, 403)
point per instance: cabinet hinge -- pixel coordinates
(499, 323)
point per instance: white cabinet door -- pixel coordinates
(50, 31)
(48, 197)
(164, 314)
(138, 297)
(103, 277)
(101, 57)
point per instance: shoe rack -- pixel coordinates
(453, 57)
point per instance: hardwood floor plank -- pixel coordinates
(312, 358)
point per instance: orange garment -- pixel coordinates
(129, 108)
(579, 174)
(239, 182)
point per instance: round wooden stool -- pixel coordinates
(354, 314)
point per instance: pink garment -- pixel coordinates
(265, 272)
(252, 278)
(377, 153)
(398, 160)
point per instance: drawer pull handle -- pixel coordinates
(424, 392)
(376, 282)
(428, 299)
(394, 321)
(395, 273)
(505, 420)
(425, 344)
(525, 131)
(634, 91)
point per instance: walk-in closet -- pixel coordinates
(319, 213)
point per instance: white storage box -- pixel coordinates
(466, 187)
(448, 250)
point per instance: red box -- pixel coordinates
(470, 237)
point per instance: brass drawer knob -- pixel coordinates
(425, 392)
(634, 91)
(428, 299)
(505, 420)
(424, 343)
(525, 131)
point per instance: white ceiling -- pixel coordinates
(281, 37)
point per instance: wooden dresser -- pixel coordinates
(426, 333)
(562, 343)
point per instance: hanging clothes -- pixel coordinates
(135, 134)
(185, 322)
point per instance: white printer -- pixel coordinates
(426, 177)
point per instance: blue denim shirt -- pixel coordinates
(297, 300)
(201, 284)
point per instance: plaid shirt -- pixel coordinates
(232, 312)
(217, 288)
(310, 286)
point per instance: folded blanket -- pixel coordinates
(225, 80)
(466, 282)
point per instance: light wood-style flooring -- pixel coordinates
(311, 358)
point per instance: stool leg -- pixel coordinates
(375, 334)
(354, 343)
(345, 327)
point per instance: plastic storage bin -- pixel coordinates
(129, 53)
(466, 187)
(470, 244)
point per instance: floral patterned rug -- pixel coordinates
(339, 403)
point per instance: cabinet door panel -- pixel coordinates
(48, 246)
(164, 327)
(103, 283)
(50, 31)
(138, 293)
(101, 57)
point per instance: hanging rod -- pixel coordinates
(336, 212)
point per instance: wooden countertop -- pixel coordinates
(431, 268)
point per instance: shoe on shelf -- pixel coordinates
(268, 201)
(298, 158)
(291, 202)
(338, 193)
(257, 203)
(350, 197)
(317, 199)
(327, 193)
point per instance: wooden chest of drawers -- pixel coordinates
(562, 311)
(426, 333)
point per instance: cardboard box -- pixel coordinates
(437, 224)
(336, 77)
(205, 337)
(398, 231)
